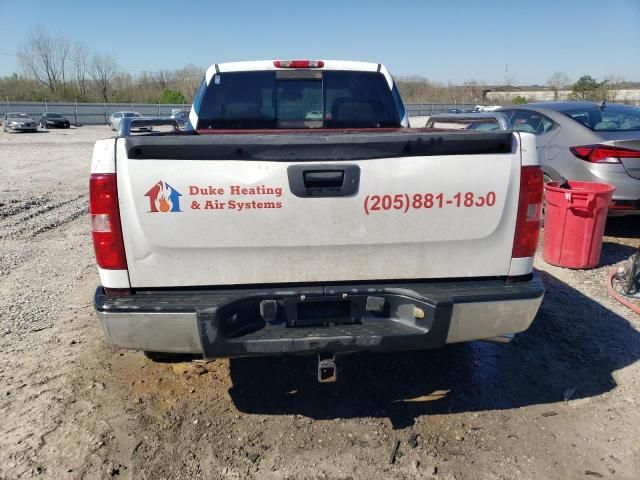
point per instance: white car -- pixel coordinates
(487, 108)
(303, 216)
(116, 118)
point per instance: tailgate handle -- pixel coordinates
(324, 180)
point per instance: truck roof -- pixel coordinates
(261, 65)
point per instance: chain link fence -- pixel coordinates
(89, 113)
(425, 109)
(98, 113)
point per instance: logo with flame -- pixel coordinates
(163, 198)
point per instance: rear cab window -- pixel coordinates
(609, 118)
(285, 99)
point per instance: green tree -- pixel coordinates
(519, 100)
(586, 88)
(172, 96)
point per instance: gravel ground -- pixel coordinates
(562, 401)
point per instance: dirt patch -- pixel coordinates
(561, 401)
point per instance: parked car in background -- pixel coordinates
(459, 110)
(54, 120)
(116, 118)
(18, 122)
(180, 116)
(589, 142)
(487, 108)
(470, 121)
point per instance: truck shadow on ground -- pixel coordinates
(625, 227)
(621, 227)
(613, 253)
(574, 345)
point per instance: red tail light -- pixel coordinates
(105, 222)
(298, 64)
(603, 153)
(525, 240)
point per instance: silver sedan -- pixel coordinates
(18, 122)
(116, 118)
(586, 141)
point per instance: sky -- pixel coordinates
(442, 40)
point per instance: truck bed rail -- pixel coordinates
(127, 124)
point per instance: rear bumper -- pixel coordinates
(627, 187)
(622, 207)
(381, 317)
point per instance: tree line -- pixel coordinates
(56, 68)
(420, 90)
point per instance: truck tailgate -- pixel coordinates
(285, 208)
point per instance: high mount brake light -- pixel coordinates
(525, 240)
(298, 64)
(603, 153)
(105, 222)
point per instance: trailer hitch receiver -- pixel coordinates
(327, 369)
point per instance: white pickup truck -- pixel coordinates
(300, 215)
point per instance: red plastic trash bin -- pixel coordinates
(574, 223)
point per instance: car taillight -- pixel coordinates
(105, 222)
(298, 63)
(525, 240)
(603, 153)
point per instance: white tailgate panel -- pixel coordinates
(315, 239)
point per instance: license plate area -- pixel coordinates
(321, 311)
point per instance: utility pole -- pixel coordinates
(506, 74)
